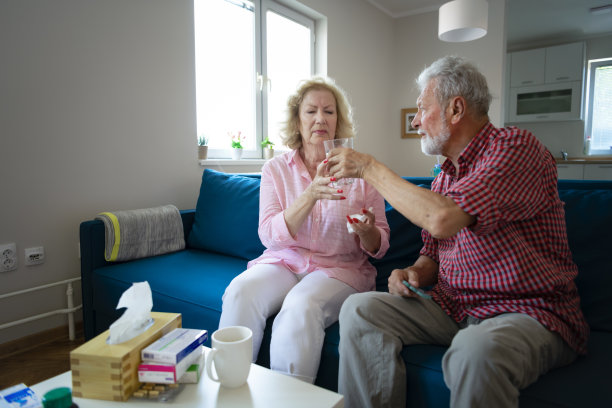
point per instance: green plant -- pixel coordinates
(267, 143)
(202, 141)
(237, 140)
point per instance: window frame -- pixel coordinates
(592, 66)
(262, 82)
(297, 17)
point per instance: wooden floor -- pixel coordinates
(37, 363)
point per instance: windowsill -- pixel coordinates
(231, 162)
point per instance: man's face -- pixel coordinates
(431, 122)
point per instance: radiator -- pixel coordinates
(70, 310)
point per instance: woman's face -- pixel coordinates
(318, 117)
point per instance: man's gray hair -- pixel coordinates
(455, 76)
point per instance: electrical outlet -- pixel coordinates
(34, 256)
(8, 257)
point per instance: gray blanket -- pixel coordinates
(133, 234)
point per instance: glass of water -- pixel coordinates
(345, 143)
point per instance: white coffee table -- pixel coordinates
(264, 389)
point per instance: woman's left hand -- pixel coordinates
(366, 230)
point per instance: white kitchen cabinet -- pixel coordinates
(560, 63)
(564, 63)
(546, 84)
(527, 67)
(597, 172)
(570, 171)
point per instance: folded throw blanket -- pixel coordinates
(133, 234)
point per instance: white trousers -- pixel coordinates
(306, 306)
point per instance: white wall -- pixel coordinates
(97, 113)
(377, 58)
(360, 56)
(417, 45)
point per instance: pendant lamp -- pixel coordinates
(463, 20)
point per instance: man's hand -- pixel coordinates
(348, 163)
(424, 272)
(396, 285)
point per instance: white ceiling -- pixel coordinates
(528, 21)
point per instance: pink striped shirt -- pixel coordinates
(323, 241)
(516, 257)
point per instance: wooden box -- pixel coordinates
(110, 372)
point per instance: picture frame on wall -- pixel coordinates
(408, 131)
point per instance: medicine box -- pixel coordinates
(193, 373)
(174, 346)
(110, 371)
(165, 373)
(19, 396)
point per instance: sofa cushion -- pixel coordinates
(589, 230)
(404, 243)
(227, 215)
(565, 386)
(198, 281)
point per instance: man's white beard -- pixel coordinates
(432, 146)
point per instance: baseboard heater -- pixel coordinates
(70, 310)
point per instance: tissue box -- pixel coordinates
(110, 372)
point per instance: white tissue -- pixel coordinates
(138, 302)
(349, 226)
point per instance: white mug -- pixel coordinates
(232, 351)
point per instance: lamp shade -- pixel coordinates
(463, 20)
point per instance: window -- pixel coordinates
(250, 55)
(598, 125)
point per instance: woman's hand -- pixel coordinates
(366, 230)
(320, 187)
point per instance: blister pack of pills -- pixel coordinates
(157, 392)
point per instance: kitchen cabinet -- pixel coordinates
(548, 65)
(546, 84)
(588, 171)
(597, 172)
(564, 63)
(527, 67)
(570, 171)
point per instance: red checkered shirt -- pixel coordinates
(515, 258)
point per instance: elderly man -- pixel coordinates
(494, 249)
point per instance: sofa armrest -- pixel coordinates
(92, 241)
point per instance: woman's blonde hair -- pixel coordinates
(290, 130)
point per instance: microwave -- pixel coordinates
(544, 103)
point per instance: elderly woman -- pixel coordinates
(312, 262)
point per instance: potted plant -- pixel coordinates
(237, 140)
(202, 147)
(268, 148)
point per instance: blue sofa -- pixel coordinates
(221, 236)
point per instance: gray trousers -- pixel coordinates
(486, 364)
